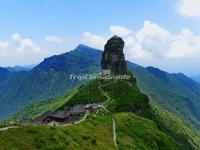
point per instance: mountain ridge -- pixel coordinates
(146, 125)
(129, 110)
(48, 79)
(174, 95)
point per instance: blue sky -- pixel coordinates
(34, 29)
(37, 18)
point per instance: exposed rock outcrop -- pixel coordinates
(113, 57)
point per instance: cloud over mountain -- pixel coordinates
(151, 41)
(189, 8)
(119, 30)
(93, 40)
(20, 49)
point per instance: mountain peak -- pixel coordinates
(84, 47)
(81, 46)
(113, 56)
(116, 37)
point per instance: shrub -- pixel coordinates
(87, 137)
(94, 141)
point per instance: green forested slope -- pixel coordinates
(138, 124)
(133, 132)
(173, 92)
(49, 79)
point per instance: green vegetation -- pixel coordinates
(36, 109)
(88, 93)
(126, 97)
(174, 92)
(49, 79)
(136, 132)
(94, 133)
(133, 132)
(180, 130)
(149, 127)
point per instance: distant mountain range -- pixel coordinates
(20, 68)
(174, 92)
(48, 79)
(4, 73)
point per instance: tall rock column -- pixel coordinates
(113, 57)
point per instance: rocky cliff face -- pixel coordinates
(113, 56)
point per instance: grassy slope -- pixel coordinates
(170, 127)
(169, 93)
(133, 132)
(136, 132)
(94, 133)
(88, 93)
(126, 97)
(40, 84)
(176, 127)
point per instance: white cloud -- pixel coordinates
(152, 31)
(150, 42)
(153, 42)
(24, 44)
(16, 37)
(163, 44)
(152, 37)
(189, 8)
(52, 38)
(93, 40)
(184, 45)
(134, 47)
(4, 44)
(20, 51)
(119, 30)
(134, 50)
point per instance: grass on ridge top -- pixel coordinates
(88, 93)
(126, 97)
(152, 131)
(133, 132)
(93, 133)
